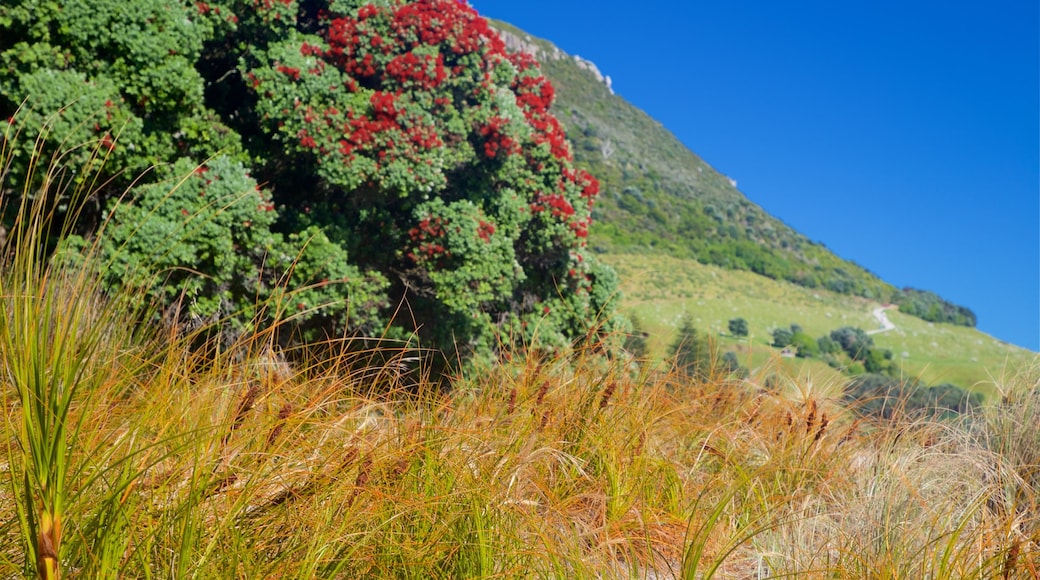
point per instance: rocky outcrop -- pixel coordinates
(526, 44)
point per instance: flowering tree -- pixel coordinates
(401, 132)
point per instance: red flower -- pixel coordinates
(293, 73)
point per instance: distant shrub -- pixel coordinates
(738, 327)
(806, 345)
(931, 307)
(854, 341)
(782, 337)
(828, 345)
(883, 396)
(692, 351)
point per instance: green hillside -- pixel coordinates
(659, 196)
(686, 242)
(659, 290)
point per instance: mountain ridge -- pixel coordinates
(658, 195)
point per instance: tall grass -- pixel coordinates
(133, 455)
(63, 349)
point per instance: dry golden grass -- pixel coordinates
(166, 460)
(249, 466)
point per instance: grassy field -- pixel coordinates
(660, 290)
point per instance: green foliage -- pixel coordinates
(806, 345)
(122, 75)
(929, 306)
(782, 337)
(407, 159)
(879, 361)
(199, 239)
(854, 341)
(828, 345)
(884, 396)
(738, 327)
(692, 351)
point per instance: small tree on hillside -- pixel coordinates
(738, 327)
(692, 351)
(782, 337)
(854, 341)
(806, 345)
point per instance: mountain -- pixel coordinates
(657, 195)
(673, 227)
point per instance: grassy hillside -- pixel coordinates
(658, 195)
(659, 290)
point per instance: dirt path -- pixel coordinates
(883, 320)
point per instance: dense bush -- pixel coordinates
(854, 341)
(929, 306)
(827, 345)
(806, 345)
(409, 163)
(884, 396)
(738, 327)
(221, 261)
(782, 337)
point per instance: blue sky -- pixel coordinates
(903, 135)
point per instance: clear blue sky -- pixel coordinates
(903, 135)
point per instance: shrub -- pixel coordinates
(884, 396)
(692, 351)
(400, 147)
(806, 345)
(854, 341)
(931, 307)
(782, 337)
(738, 327)
(828, 345)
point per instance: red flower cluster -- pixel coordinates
(424, 72)
(535, 95)
(307, 141)
(427, 228)
(445, 22)
(293, 73)
(485, 230)
(495, 140)
(590, 187)
(555, 203)
(427, 233)
(361, 46)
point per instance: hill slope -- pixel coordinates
(657, 194)
(659, 290)
(666, 219)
